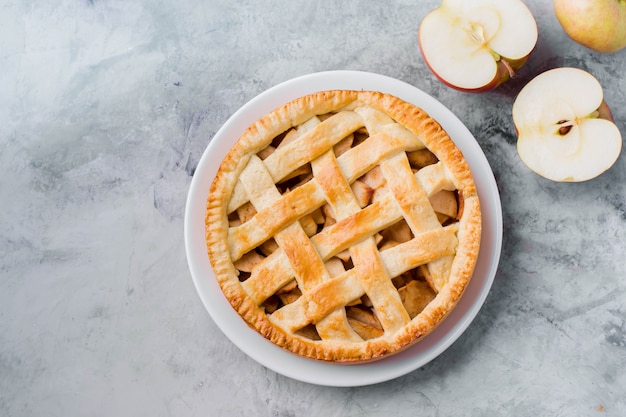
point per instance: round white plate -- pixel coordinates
(308, 370)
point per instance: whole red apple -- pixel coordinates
(597, 24)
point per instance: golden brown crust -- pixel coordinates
(449, 251)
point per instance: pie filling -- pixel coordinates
(342, 228)
(415, 286)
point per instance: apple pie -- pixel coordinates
(344, 226)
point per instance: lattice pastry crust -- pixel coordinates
(344, 226)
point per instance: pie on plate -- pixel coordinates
(344, 226)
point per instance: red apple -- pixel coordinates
(476, 45)
(597, 24)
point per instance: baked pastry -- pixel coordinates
(344, 226)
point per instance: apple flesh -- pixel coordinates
(476, 45)
(597, 24)
(564, 126)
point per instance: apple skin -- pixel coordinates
(599, 25)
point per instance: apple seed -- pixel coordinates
(564, 130)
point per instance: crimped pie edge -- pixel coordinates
(258, 136)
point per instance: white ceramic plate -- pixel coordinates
(308, 370)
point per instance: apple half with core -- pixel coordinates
(565, 129)
(597, 24)
(476, 45)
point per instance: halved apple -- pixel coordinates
(476, 45)
(565, 129)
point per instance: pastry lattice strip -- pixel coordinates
(304, 258)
